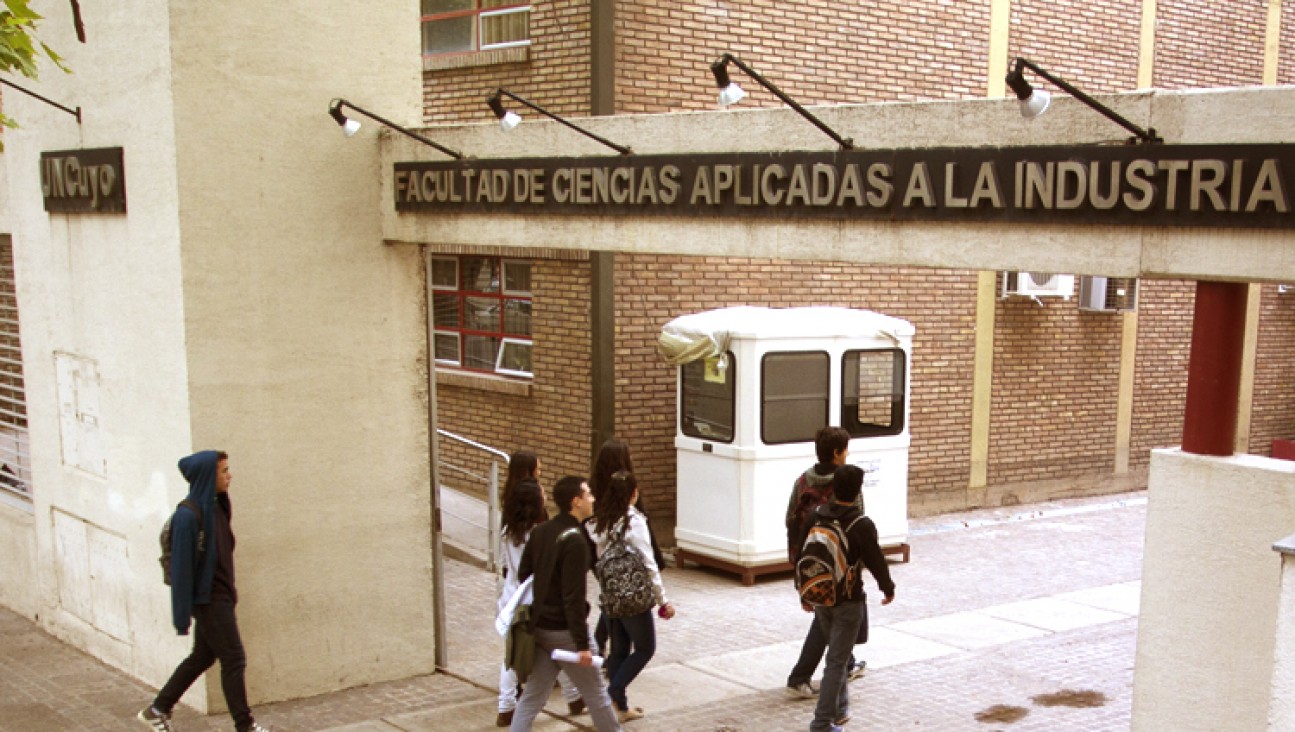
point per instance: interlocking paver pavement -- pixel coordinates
(1057, 581)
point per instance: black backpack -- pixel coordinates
(165, 539)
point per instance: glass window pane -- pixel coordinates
(506, 28)
(515, 356)
(872, 394)
(517, 317)
(432, 7)
(709, 398)
(517, 278)
(479, 352)
(481, 313)
(446, 309)
(445, 273)
(452, 35)
(481, 274)
(447, 347)
(794, 395)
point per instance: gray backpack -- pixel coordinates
(165, 539)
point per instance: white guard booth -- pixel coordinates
(755, 385)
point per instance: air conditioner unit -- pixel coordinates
(1108, 294)
(1038, 284)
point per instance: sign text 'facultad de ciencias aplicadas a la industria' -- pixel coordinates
(1145, 185)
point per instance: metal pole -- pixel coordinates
(439, 620)
(492, 518)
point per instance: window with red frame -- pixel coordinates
(482, 318)
(462, 26)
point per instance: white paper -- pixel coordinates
(573, 657)
(522, 596)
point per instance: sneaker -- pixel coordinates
(803, 690)
(576, 707)
(505, 719)
(157, 721)
(843, 720)
(858, 671)
(631, 714)
(258, 727)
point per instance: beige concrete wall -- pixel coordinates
(105, 290)
(1231, 116)
(1210, 591)
(305, 334)
(1281, 712)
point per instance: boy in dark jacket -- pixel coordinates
(557, 554)
(812, 489)
(840, 622)
(202, 586)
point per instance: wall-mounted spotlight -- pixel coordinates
(74, 112)
(731, 93)
(509, 120)
(1034, 102)
(350, 126)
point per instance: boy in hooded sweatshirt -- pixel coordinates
(202, 586)
(811, 490)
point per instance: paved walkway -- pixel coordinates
(1020, 619)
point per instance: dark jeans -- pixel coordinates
(811, 652)
(623, 666)
(841, 626)
(215, 637)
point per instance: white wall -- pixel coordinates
(1210, 591)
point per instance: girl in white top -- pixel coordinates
(633, 639)
(523, 510)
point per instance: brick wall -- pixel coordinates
(1209, 43)
(1273, 413)
(1160, 372)
(653, 289)
(554, 421)
(1096, 49)
(556, 75)
(833, 53)
(1055, 391)
(1286, 40)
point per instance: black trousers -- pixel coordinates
(215, 637)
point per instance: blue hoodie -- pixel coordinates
(190, 583)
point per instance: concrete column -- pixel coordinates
(1214, 368)
(1124, 402)
(1147, 46)
(1281, 710)
(982, 385)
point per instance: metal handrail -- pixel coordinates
(492, 494)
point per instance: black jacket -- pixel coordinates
(863, 549)
(558, 555)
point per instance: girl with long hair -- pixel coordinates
(633, 638)
(614, 456)
(523, 510)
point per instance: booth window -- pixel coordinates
(15, 459)
(709, 398)
(482, 314)
(463, 26)
(872, 392)
(793, 398)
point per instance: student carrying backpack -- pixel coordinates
(165, 539)
(824, 573)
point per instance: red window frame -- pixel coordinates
(462, 292)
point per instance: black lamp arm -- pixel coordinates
(339, 103)
(527, 103)
(845, 143)
(74, 112)
(1146, 136)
